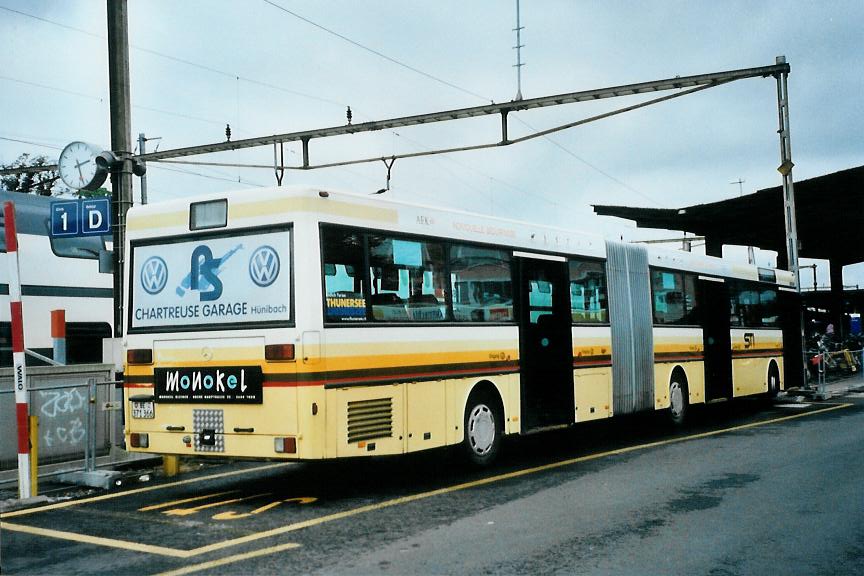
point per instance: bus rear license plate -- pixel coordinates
(209, 385)
(143, 410)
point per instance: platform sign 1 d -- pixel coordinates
(64, 218)
(95, 216)
(81, 217)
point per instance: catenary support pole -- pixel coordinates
(785, 170)
(121, 143)
(19, 378)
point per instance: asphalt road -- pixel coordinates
(744, 489)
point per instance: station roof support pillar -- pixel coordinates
(713, 246)
(837, 300)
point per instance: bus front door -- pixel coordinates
(713, 301)
(545, 344)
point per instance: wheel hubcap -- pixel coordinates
(481, 429)
(676, 399)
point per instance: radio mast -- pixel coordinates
(518, 48)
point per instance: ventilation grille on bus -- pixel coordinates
(370, 419)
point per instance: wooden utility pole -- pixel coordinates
(121, 143)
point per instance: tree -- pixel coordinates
(98, 193)
(42, 183)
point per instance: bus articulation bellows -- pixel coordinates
(310, 324)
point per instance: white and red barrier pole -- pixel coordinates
(19, 367)
(58, 335)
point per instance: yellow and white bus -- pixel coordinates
(312, 324)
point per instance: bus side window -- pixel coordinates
(588, 292)
(769, 310)
(749, 307)
(481, 282)
(667, 289)
(691, 303)
(344, 300)
(407, 278)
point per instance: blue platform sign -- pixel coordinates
(95, 216)
(64, 218)
(85, 217)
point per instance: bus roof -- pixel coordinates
(263, 206)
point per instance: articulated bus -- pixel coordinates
(310, 324)
(57, 273)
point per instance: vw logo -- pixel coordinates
(154, 275)
(264, 266)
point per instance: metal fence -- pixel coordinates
(60, 397)
(825, 367)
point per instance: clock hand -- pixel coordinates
(79, 164)
(80, 174)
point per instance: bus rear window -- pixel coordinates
(222, 280)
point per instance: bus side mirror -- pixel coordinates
(106, 262)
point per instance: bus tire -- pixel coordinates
(484, 429)
(773, 380)
(678, 403)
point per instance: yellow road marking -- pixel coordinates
(484, 481)
(69, 503)
(231, 515)
(196, 509)
(390, 503)
(96, 540)
(184, 501)
(229, 560)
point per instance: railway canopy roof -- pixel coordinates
(829, 213)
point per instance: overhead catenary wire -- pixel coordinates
(366, 48)
(466, 91)
(178, 60)
(238, 77)
(376, 52)
(198, 65)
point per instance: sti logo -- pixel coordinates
(264, 266)
(154, 275)
(204, 272)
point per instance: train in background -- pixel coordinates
(56, 273)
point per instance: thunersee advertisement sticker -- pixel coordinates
(211, 281)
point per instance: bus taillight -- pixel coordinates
(279, 352)
(285, 445)
(139, 440)
(139, 356)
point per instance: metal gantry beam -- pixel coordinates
(505, 139)
(679, 82)
(693, 83)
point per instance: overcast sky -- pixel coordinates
(269, 67)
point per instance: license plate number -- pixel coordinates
(143, 410)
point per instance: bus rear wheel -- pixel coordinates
(677, 400)
(773, 381)
(483, 430)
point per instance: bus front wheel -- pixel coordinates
(483, 430)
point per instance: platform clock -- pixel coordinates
(78, 167)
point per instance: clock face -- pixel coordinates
(77, 166)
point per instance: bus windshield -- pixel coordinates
(206, 282)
